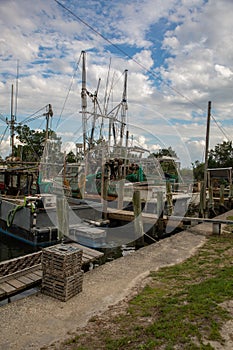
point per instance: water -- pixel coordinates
(120, 241)
(12, 248)
(117, 245)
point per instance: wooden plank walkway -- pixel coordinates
(20, 281)
(126, 215)
(29, 277)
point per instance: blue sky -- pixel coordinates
(178, 53)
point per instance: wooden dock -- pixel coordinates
(20, 274)
(126, 215)
(150, 218)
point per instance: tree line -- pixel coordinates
(219, 157)
(32, 141)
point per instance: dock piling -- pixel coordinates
(62, 217)
(160, 212)
(138, 223)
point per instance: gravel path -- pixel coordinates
(39, 320)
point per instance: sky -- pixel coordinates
(178, 54)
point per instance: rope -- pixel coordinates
(12, 212)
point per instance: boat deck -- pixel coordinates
(25, 278)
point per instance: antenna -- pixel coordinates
(17, 89)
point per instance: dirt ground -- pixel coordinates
(39, 321)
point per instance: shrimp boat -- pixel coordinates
(29, 200)
(114, 166)
(111, 165)
(109, 169)
(32, 217)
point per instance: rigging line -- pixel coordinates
(31, 119)
(70, 87)
(127, 55)
(110, 91)
(24, 120)
(40, 126)
(3, 135)
(31, 145)
(220, 128)
(106, 87)
(116, 82)
(3, 118)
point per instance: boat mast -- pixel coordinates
(84, 100)
(206, 154)
(13, 115)
(17, 89)
(48, 114)
(95, 102)
(12, 122)
(124, 108)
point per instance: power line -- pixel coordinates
(31, 117)
(220, 128)
(138, 63)
(126, 54)
(70, 87)
(3, 135)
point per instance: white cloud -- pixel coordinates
(182, 50)
(224, 71)
(155, 148)
(68, 147)
(5, 147)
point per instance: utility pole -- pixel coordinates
(206, 155)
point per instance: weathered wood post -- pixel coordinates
(104, 189)
(82, 185)
(169, 199)
(211, 203)
(222, 199)
(221, 195)
(138, 223)
(62, 217)
(202, 201)
(160, 209)
(230, 195)
(121, 185)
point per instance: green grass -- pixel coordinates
(179, 309)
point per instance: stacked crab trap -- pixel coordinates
(62, 274)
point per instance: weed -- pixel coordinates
(178, 309)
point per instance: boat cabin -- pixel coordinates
(15, 181)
